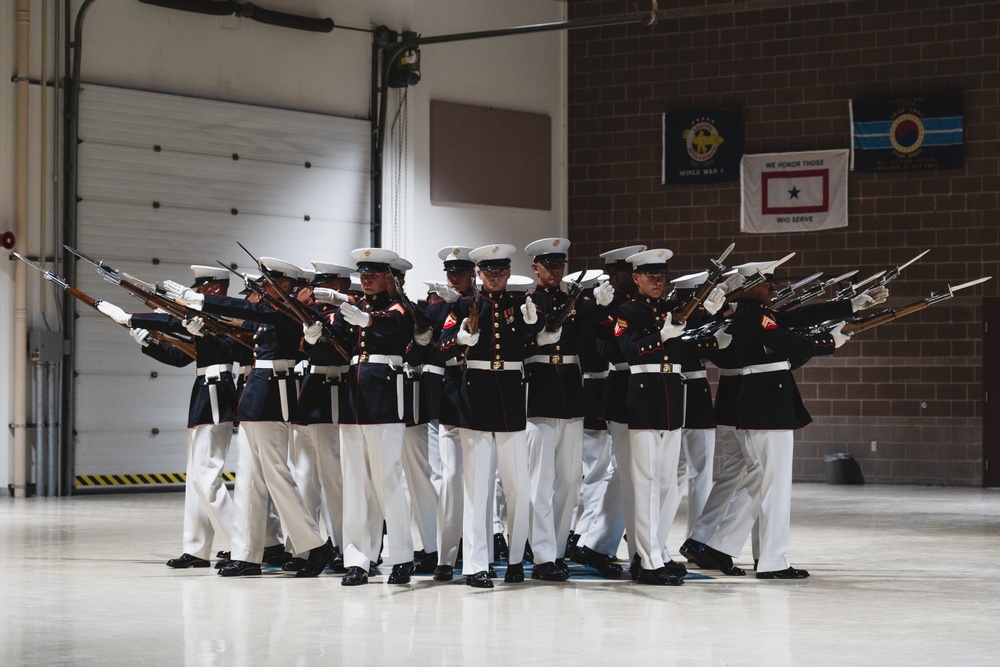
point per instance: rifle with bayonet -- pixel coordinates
(878, 280)
(556, 318)
(477, 299)
(788, 291)
(857, 325)
(156, 336)
(714, 276)
(756, 279)
(814, 291)
(854, 289)
(154, 297)
(289, 305)
(420, 322)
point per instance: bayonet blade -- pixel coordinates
(869, 279)
(805, 281)
(970, 283)
(900, 268)
(843, 276)
(725, 253)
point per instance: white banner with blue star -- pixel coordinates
(794, 192)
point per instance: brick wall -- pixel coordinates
(914, 386)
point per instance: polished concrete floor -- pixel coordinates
(901, 576)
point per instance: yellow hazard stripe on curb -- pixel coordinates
(94, 481)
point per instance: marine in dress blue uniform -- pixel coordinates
(373, 419)
(615, 516)
(492, 414)
(654, 351)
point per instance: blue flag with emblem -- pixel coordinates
(702, 147)
(907, 133)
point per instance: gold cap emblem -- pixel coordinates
(368, 253)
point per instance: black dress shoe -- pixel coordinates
(276, 555)
(373, 569)
(500, 550)
(561, 564)
(696, 552)
(419, 555)
(316, 563)
(548, 572)
(658, 577)
(240, 568)
(187, 560)
(224, 559)
(675, 569)
(427, 564)
(635, 567)
(480, 579)
(355, 576)
(294, 565)
(336, 563)
(492, 572)
(400, 573)
(602, 563)
(789, 573)
(444, 573)
(571, 544)
(515, 574)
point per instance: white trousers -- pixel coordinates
(371, 456)
(315, 459)
(654, 480)
(509, 451)
(617, 514)
(717, 504)
(423, 494)
(699, 453)
(266, 443)
(555, 449)
(449, 514)
(768, 486)
(596, 475)
(208, 508)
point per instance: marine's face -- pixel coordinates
(650, 284)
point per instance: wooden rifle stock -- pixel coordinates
(420, 321)
(883, 317)
(477, 300)
(681, 315)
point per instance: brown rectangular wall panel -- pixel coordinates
(490, 157)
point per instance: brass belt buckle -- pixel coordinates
(667, 368)
(363, 358)
(555, 359)
(496, 365)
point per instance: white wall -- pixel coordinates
(129, 44)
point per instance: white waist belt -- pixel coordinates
(455, 361)
(214, 371)
(434, 370)
(621, 367)
(553, 359)
(656, 368)
(694, 375)
(365, 358)
(495, 365)
(730, 372)
(277, 365)
(328, 371)
(767, 368)
(595, 376)
(244, 370)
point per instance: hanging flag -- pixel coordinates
(907, 133)
(794, 192)
(702, 147)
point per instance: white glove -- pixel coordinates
(715, 300)
(185, 295)
(445, 292)
(114, 312)
(464, 337)
(723, 338)
(732, 283)
(354, 315)
(141, 336)
(671, 330)
(194, 326)
(604, 293)
(424, 338)
(330, 296)
(312, 332)
(546, 337)
(872, 297)
(839, 338)
(529, 311)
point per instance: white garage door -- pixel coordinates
(166, 182)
